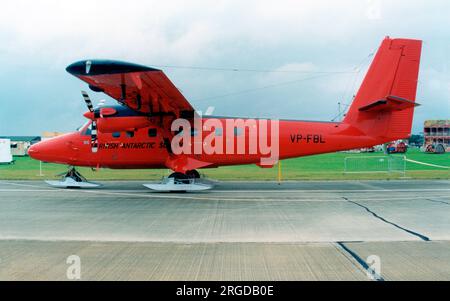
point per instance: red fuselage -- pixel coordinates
(145, 148)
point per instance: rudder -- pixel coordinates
(384, 105)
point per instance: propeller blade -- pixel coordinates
(94, 141)
(88, 101)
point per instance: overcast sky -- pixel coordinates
(40, 38)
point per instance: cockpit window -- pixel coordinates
(85, 129)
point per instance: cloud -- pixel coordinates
(40, 38)
(152, 29)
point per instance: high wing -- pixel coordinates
(143, 89)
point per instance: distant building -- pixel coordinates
(50, 135)
(5, 151)
(20, 144)
(436, 133)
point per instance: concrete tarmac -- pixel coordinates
(238, 231)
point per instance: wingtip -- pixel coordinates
(99, 67)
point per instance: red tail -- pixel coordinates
(384, 105)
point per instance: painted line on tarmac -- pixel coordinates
(23, 185)
(206, 198)
(335, 190)
(197, 197)
(304, 193)
(28, 190)
(153, 195)
(104, 239)
(284, 191)
(423, 237)
(278, 191)
(101, 193)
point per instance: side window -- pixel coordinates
(194, 132)
(218, 131)
(130, 134)
(237, 131)
(116, 134)
(153, 132)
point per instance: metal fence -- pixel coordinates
(375, 164)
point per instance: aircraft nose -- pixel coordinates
(34, 151)
(60, 149)
(46, 151)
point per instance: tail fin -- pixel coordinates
(384, 105)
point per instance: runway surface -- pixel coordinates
(238, 231)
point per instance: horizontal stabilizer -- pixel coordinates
(391, 103)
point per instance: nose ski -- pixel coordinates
(72, 179)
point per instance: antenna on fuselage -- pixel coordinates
(342, 109)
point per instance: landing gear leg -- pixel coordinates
(75, 175)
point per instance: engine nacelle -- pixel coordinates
(109, 120)
(120, 124)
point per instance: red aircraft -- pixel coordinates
(154, 126)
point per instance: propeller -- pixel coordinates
(94, 140)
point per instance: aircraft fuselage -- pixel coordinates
(145, 147)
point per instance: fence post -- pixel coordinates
(279, 172)
(40, 169)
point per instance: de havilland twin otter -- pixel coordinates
(154, 126)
